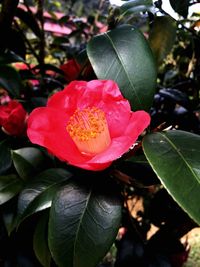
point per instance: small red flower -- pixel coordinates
(71, 70)
(88, 124)
(13, 118)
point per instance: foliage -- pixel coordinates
(55, 214)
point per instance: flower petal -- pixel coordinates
(138, 122)
(47, 127)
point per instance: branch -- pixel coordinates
(178, 22)
(6, 18)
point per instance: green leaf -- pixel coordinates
(10, 80)
(40, 241)
(123, 55)
(38, 193)
(5, 156)
(27, 161)
(174, 156)
(180, 6)
(135, 6)
(10, 57)
(9, 212)
(10, 185)
(84, 221)
(162, 37)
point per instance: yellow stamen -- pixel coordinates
(89, 130)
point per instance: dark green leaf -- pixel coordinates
(10, 57)
(162, 37)
(10, 80)
(84, 222)
(5, 156)
(138, 174)
(38, 193)
(9, 212)
(124, 56)
(10, 185)
(174, 156)
(180, 6)
(27, 161)
(135, 6)
(40, 241)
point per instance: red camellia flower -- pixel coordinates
(71, 70)
(88, 124)
(13, 118)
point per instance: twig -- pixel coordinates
(6, 18)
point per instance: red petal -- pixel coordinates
(47, 127)
(138, 122)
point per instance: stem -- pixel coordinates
(6, 18)
(27, 41)
(40, 13)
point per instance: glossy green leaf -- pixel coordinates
(10, 185)
(135, 6)
(5, 156)
(38, 193)
(174, 156)
(10, 80)
(180, 6)
(27, 161)
(162, 37)
(123, 55)
(84, 222)
(40, 241)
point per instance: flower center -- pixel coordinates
(89, 130)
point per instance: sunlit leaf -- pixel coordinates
(162, 37)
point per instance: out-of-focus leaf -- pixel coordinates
(9, 212)
(140, 174)
(176, 96)
(15, 43)
(5, 156)
(40, 241)
(29, 19)
(162, 37)
(10, 80)
(135, 6)
(49, 67)
(10, 185)
(84, 221)
(38, 193)
(10, 57)
(180, 6)
(123, 55)
(38, 101)
(27, 161)
(174, 156)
